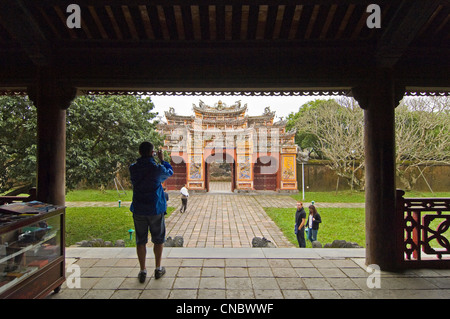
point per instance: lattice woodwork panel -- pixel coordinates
(425, 225)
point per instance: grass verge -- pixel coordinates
(96, 195)
(354, 197)
(337, 223)
(108, 223)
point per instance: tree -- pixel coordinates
(304, 139)
(17, 142)
(103, 136)
(422, 136)
(334, 129)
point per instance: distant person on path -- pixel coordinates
(184, 198)
(300, 218)
(313, 223)
(148, 205)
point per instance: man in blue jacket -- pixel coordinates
(149, 204)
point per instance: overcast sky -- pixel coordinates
(282, 105)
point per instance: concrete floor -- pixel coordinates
(244, 273)
(217, 260)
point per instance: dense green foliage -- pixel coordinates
(17, 142)
(103, 135)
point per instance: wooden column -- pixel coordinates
(51, 99)
(379, 98)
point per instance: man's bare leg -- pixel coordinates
(157, 250)
(142, 253)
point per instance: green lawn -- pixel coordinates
(96, 195)
(93, 195)
(331, 197)
(337, 223)
(354, 197)
(108, 223)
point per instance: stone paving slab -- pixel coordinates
(248, 273)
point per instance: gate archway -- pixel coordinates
(220, 157)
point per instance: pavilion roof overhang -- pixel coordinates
(262, 46)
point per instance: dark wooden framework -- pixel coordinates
(231, 47)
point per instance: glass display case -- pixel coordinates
(31, 249)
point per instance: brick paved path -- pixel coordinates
(221, 219)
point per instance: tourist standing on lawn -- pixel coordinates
(148, 205)
(184, 198)
(300, 218)
(313, 223)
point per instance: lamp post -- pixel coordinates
(303, 180)
(353, 168)
(304, 157)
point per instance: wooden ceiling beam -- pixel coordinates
(211, 2)
(27, 33)
(409, 19)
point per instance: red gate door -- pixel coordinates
(178, 179)
(264, 181)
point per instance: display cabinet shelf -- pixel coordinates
(31, 249)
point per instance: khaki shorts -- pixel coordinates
(153, 223)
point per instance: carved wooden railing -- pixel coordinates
(424, 225)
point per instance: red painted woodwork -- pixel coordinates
(178, 179)
(263, 181)
(423, 229)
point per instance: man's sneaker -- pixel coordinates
(142, 275)
(159, 272)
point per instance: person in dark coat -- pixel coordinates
(313, 223)
(300, 221)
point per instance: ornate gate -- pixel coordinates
(261, 152)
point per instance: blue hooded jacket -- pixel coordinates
(148, 193)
